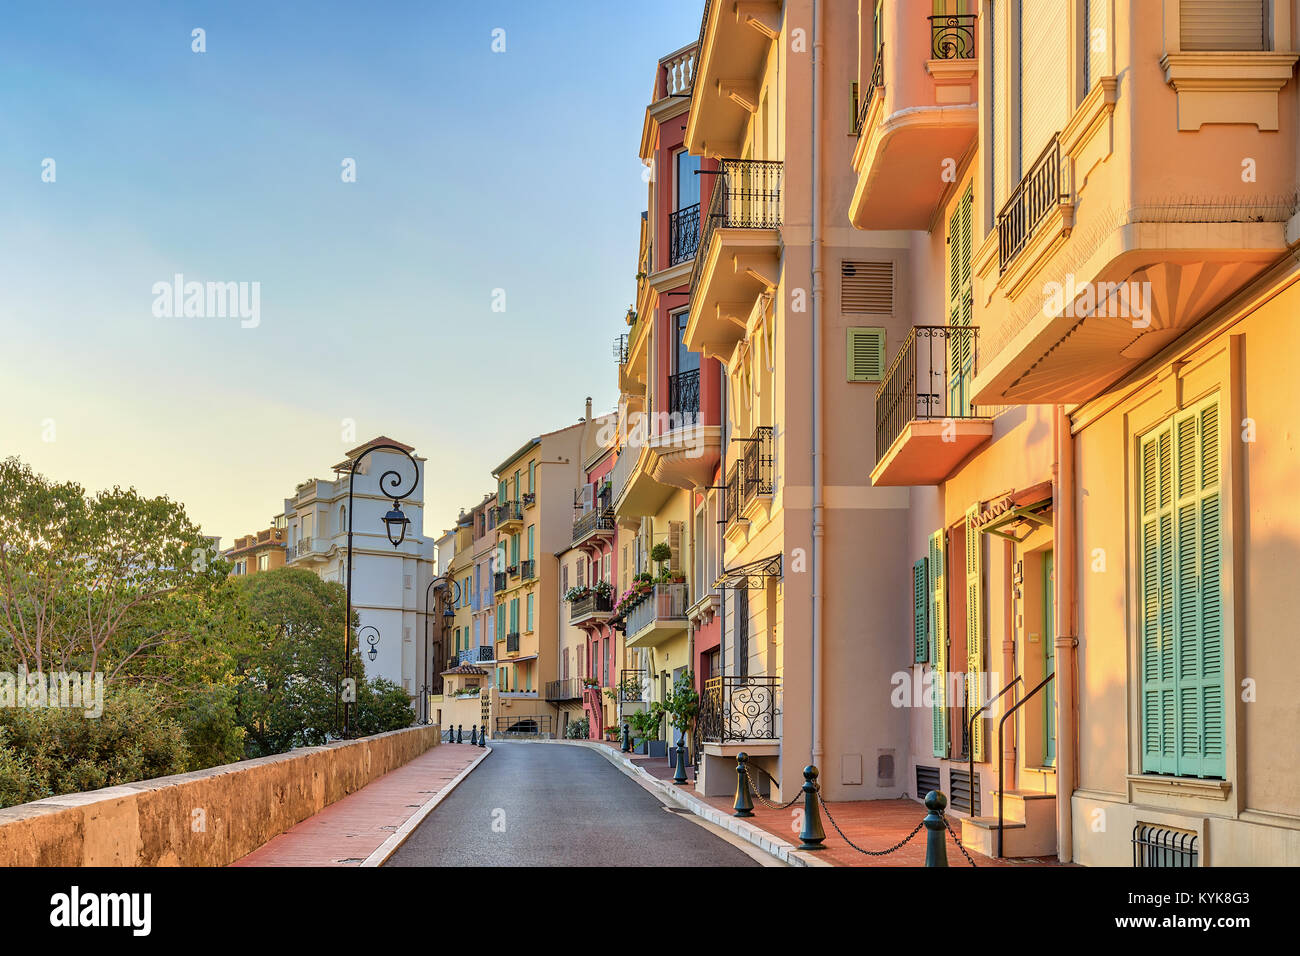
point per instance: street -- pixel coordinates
(534, 804)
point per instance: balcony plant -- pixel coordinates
(661, 554)
(612, 732)
(576, 593)
(603, 589)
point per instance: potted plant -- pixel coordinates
(682, 705)
(612, 732)
(645, 726)
(661, 554)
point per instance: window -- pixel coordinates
(866, 354)
(1223, 24)
(605, 569)
(937, 632)
(531, 530)
(740, 603)
(530, 612)
(688, 182)
(961, 304)
(532, 477)
(514, 615)
(920, 613)
(263, 562)
(1181, 627)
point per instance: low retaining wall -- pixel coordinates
(206, 818)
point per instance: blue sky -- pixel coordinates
(475, 171)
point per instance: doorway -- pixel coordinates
(1049, 661)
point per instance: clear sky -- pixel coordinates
(475, 171)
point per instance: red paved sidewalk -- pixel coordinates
(871, 824)
(349, 830)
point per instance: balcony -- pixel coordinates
(509, 516)
(568, 688)
(529, 498)
(512, 642)
(499, 582)
(591, 607)
(1038, 194)
(620, 349)
(750, 478)
(658, 616)
(926, 424)
(683, 234)
(311, 549)
(739, 709)
(739, 254)
(527, 570)
(596, 523)
(736, 37)
(684, 395)
(633, 686)
(917, 110)
(476, 655)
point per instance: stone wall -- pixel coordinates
(207, 818)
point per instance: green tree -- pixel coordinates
(381, 706)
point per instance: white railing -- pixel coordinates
(666, 602)
(623, 468)
(681, 72)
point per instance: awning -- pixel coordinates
(1019, 514)
(755, 574)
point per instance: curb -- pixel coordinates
(400, 836)
(773, 845)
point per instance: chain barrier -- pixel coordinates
(952, 833)
(897, 846)
(762, 799)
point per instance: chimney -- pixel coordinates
(588, 418)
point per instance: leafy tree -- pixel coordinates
(381, 706)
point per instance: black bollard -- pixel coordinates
(743, 805)
(482, 738)
(812, 835)
(473, 736)
(679, 775)
(936, 844)
(627, 738)
(460, 733)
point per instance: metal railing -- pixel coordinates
(1155, 845)
(684, 396)
(873, 89)
(929, 379)
(1002, 753)
(568, 688)
(590, 522)
(512, 642)
(631, 686)
(509, 511)
(731, 495)
(746, 195)
(739, 708)
(683, 234)
(952, 36)
(620, 349)
(531, 725)
(499, 581)
(1029, 203)
(666, 602)
(476, 655)
(527, 569)
(756, 466)
(593, 603)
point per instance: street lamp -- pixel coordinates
(372, 639)
(395, 523)
(426, 673)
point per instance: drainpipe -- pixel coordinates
(1063, 549)
(818, 445)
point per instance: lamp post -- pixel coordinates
(372, 638)
(395, 525)
(426, 671)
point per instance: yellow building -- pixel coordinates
(1088, 416)
(263, 551)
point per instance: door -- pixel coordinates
(1049, 662)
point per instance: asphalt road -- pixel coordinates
(533, 804)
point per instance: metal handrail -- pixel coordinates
(1002, 756)
(877, 81)
(970, 735)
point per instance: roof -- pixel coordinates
(468, 670)
(357, 452)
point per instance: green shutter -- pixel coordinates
(961, 303)
(530, 612)
(531, 529)
(920, 602)
(974, 627)
(938, 645)
(514, 550)
(514, 615)
(866, 354)
(1181, 592)
(501, 492)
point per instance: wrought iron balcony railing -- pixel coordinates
(512, 642)
(620, 349)
(507, 512)
(684, 396)
(593, 603)
(731, 495)
(751, 474)
(476, 655)
(567, 688)
(527, 570)
(592, 522)
(952, 36)
(746, 195)
(1029, 203)
(632, 685)
(499, 581)
(683, 234)
(873, 89)
(929, 379)
(739, 708)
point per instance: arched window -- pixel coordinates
(343, 519)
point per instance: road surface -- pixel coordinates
(537, 804)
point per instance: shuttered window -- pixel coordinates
(1044, 76)
(1182, 606)
(961, 307)
(514, 615)
(920, 617)
(529, 618)
(867, 287)
(740, 605)
(675, 529)
(938, 634)
(974, 626)
(1223, 24)
(866, 354)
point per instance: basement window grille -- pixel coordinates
(1163, 846)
